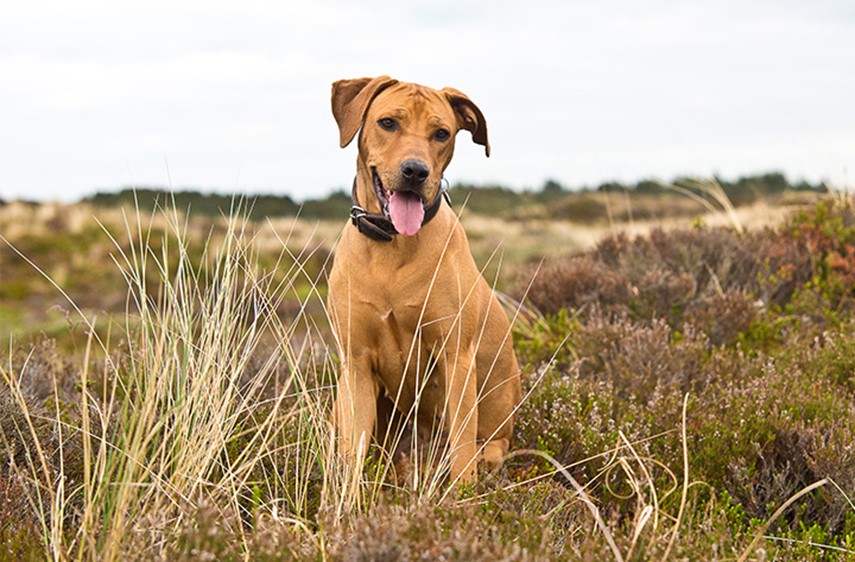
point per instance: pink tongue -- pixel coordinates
(407, 212)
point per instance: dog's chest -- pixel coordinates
(397, 327)
(406, 357)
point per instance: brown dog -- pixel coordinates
(416, 321)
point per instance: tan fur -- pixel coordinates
(414, 315)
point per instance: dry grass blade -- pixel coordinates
(701, 190)
(841, 193)
(685, 490)
(582, 494)
(778, 512)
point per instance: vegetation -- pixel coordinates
(690, 394)
(753, 328)
(334, 206)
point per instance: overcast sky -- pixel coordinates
(234, 96)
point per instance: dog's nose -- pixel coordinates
(414, 171)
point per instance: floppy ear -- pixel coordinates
(469, 117)
(350, 101)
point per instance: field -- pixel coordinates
(689, 383)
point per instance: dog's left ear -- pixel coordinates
(469, 117)
(350, 101)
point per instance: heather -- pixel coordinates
(689, 394)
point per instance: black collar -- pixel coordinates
(378, 227)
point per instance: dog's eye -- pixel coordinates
(442, 135)
(388, 124)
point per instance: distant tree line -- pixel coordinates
(490, 200)
(743, 190)
(256, 207)
(762, 184)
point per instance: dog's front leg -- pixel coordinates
(461, 416)
(354, 412)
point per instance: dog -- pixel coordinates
(416, 323)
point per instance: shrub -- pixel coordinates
(585, 209)
(21, 535)
(723, 317)
(711, 277)
(755, 328)
(578, 282)
(392, 532)
(218, 532)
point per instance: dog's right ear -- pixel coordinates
(350, 101)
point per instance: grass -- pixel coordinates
(689, 395)
(174, 416)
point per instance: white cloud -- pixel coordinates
(578, 91)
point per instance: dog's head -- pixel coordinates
(406, 139)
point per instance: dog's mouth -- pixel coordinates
(405, 208)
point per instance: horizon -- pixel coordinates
(568, 189)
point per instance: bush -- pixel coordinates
(725, 318)
(392, 532)
(579, 282)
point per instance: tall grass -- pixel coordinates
(205, 394)
(208, 398)
(841, 192)
(706, 192)
(195, 406)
